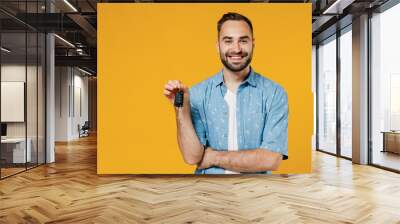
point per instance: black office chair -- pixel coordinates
(84, 130)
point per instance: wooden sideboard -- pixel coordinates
(391, 141)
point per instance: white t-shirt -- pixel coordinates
(230, 98)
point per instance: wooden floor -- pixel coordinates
(5, 172)
(69, 191)
(9, 171)
(387, 159)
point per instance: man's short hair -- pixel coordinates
(233, 16)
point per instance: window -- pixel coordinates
(327, 95)
(346, 93)
(385, 88)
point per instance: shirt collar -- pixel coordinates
(250, 78)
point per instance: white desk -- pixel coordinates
(19, 149)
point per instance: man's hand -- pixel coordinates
(209, 159)
(172, 87)
(188, 141)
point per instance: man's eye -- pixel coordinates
(244, 41)
(228, 42)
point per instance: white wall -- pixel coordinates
(61, 103)
(71, 87)
(81, 84)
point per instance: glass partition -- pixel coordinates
(22, 88)
(346, 93)
(327, 95)
(385, 89)
(14, 154)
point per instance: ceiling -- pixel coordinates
(72, 20)
(76, 22)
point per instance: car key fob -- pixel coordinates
(178, 99)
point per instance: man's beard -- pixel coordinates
(233, 68)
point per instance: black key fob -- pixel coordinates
(178, 99)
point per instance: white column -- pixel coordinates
(360, 90)
(50, 92)
(50, 100)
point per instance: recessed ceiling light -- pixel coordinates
(337, 7)
(5, 50)
(64, 40)
(84, 71)
(71, 6)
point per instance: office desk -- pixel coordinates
(13, 150)
(391, 141)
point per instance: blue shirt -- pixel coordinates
(261, 113)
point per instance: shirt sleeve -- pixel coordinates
(275, 134)
(196, 118)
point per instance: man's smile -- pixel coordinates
(236, 58)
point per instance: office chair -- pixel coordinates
(84, 130)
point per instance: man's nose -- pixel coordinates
(236, 47)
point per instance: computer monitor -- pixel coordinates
(3, 129)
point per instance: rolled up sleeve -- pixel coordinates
(275, 134)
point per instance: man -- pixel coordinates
(237, 120)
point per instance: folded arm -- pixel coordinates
(252, 160)
(271, 151)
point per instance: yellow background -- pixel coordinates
(142, 46)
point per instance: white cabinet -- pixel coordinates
(18, 149)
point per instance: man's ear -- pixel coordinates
(217, 46)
